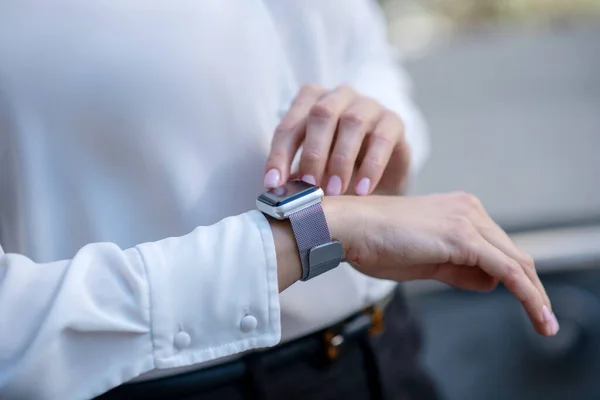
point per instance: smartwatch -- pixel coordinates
(300, 202)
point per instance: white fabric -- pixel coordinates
(128, 130)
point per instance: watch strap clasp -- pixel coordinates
(323, 258)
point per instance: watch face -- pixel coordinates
(289, 192)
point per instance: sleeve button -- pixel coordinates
(248, 323)
(182, 340)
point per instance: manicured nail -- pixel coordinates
(363, 186)
(309, 179)
(334, 187)
(272, 178)
(551, 321)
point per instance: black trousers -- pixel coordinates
(371, 367)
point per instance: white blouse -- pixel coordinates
(129, 131)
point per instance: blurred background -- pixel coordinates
(511, 92)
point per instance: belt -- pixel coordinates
(328, 344)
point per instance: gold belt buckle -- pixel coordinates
(333, 342)
(376, 311)
(334, 338)
(376, 320)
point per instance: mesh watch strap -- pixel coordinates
(311, 230)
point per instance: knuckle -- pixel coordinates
(374, 163)
(475, 202)
(528, 262)
(352, 119)
(459, 236)
(469, 200)
(462, 251)
(311, 157)
(471, 254)
(394, 119)
(382, 137)
(321, 111)
(345, 87)
(511, 275)
(284, 128)
(392, 116)
(340, 161)
(309, 89)
(472, 200)
(459, 226)
(512, 270)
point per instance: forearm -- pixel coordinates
(109, 314)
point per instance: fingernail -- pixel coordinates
(309, 179)
(363, 186)
(551, 321)
(334, 187)
(272, 178)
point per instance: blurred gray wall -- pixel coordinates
(515, 119)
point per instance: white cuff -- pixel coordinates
(213, 292)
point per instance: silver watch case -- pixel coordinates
(284, 211)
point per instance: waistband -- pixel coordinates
(327, 344)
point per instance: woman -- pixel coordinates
(133, 140)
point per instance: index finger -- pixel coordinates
(511, 274)
(289, 135)
(496, 236)
(499, 238)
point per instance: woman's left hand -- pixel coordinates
(351, 143)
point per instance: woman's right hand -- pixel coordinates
(446, 237)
